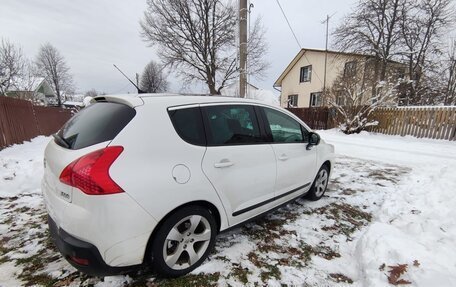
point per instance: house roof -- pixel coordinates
(278, 82)
(31, 84)
(72, 103)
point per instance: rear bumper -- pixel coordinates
(114, 230)
(71, 247)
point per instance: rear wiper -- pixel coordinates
(61, 141)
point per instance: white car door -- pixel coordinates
(239, 163)
(296, 162)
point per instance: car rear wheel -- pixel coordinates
(318, 188)
(183, 241)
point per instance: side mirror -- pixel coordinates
(314, 139)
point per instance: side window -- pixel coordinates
(189, 125)
(231, 125)
(285, 129)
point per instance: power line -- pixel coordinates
(121, 89)
(315, 72)
(288, 22)
(296, 38)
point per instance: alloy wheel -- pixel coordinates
(321, 182)
(187, 242)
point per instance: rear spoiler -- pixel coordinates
(129, 100)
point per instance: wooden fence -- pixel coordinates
(315, 118)
(21, 121)
(421, 122)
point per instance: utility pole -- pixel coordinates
(242, 48)
(326, 55)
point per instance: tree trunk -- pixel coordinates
(383, 70)
(59, 99)
(211, 86)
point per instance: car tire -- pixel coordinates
(318, 188)
(183, 241)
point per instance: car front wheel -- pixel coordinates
(183, 241)
(318, 188)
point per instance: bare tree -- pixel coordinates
(153, 79)
(354, 103)
(91, 93)
(27, 84)
(199, 38)
(257, 48)
(373, 29)
(30, 76)
(422, 26)
(449, 77)
(408, 30)
(53, 66)
(12, 65)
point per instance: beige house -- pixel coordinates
(302, 82)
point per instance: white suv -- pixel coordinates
(152, 179)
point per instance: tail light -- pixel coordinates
(90, 173)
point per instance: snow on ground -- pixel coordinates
(388, 215)
(416, 220)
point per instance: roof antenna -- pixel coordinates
(136, 86)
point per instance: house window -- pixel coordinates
(315, 99)
(400, 72)
(292, 101)
(350, 69)
(305, 74)
(340, 101)
(341, 98)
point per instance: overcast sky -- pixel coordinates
(93, 35)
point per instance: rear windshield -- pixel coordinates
(97, 123)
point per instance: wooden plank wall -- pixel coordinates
(21, 121)
(421, 122)
(51, 119)
(315, 118)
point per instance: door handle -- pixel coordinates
(223, 163)
(283, 157)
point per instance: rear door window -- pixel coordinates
(231, 125)
(189, 125)
(95, 124)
